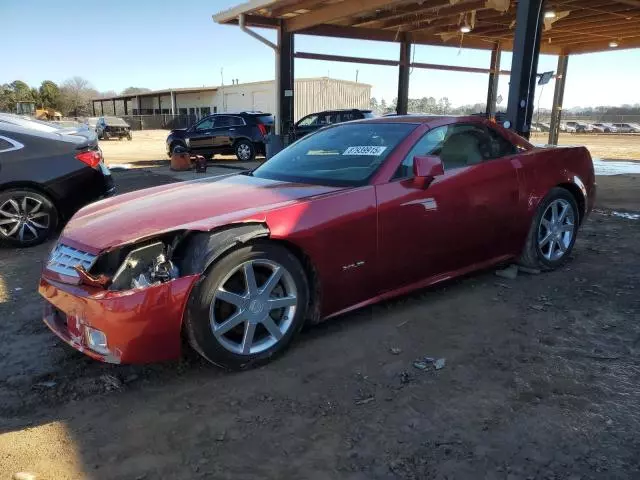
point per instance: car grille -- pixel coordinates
(63, 259)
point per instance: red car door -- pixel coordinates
(462, 219)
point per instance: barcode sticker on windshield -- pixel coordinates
(365, 150)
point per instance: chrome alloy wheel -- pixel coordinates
(244, 151)
(253, 307)
(556, 229)
(21, 218)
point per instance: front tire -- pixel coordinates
(553, 231)
(245, 151)
(249, 307)
(27, 218)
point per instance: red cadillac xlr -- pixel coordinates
(348, 216)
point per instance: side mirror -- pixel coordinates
(426, 168)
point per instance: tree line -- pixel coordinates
(443, 106)
(429, 105)
(72, 97)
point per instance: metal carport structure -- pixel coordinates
(525, 27)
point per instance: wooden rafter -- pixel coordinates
(333, 12)
(590, 25)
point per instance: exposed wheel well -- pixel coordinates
(578, 196)
(208, 247)
(315, 291)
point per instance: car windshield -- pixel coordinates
(115, 121)
(344, 155)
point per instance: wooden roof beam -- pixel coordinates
(417, 9)
(333, 12)
(292, 6)
(444, 12)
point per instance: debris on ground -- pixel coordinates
(426, 362)
(47, 384)
(421, 365)
(439, 363)
(364, 401)
(536, 307)
(130, 378)
(503, 285)
(510, 273)
(395, 351)
(530, 271)
(111, 382)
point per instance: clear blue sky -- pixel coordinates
(162, 44)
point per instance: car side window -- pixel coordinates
(348, 116)
(429, 144)
(308, 121)
(500, 146)
(457, 145)
(236, 121)
(465, 145)
(205, 124)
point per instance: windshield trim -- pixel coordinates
(336, 182)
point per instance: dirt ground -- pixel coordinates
(541, 382)
(604, 146)
(147, 149)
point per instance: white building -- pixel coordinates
(311, 95)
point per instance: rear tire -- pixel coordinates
(27, 217)
(553, 231)
(245, 151)
(234, 322)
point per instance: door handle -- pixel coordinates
(232, 129)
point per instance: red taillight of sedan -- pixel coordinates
(91, 158)
(263, 129)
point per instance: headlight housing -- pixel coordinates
(144, 266)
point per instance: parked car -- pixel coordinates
(347, 216)
(45, 177)
(567, 128)
(112, 127)
(604, 128)
(314, 121)
(627, 127)
(241, 133)
(92, 123)
(580, 127)
(67, 128)
(542, 127)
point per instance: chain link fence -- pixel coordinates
(160, 121)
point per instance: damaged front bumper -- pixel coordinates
(141, 326)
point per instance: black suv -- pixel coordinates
(240, 133)
(313, 122)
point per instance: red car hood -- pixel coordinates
(198, 205)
